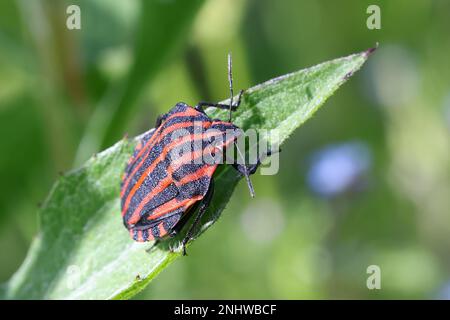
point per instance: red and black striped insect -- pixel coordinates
(160, 190)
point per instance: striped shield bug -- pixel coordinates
(161, 188)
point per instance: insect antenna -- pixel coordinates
(230, 81)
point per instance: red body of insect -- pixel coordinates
(160, 188)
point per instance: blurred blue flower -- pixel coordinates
(339, 168)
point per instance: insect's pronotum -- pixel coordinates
(159, 192)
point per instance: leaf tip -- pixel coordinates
(369, 51)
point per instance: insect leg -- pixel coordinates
(238, 102)
(153, 245)
(247, 170)
(234, 107)
(201, 211)
(244, 170)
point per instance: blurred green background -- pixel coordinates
(365, 182)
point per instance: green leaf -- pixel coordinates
(84, 252)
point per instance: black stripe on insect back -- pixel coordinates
(155, 231)
(148, 221)
(188, 190)
(177, 119)
(173, 121)
(158, 173)
(137, 159)
(149, 156)
(154, 178)
(194, 188)
(155, 149)
(152, 181)
(170, 222)
(150, 228)
(131, 163)
(186, 169)
(140, 203)
(162, 197)
(133, 179)
(145, 234)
